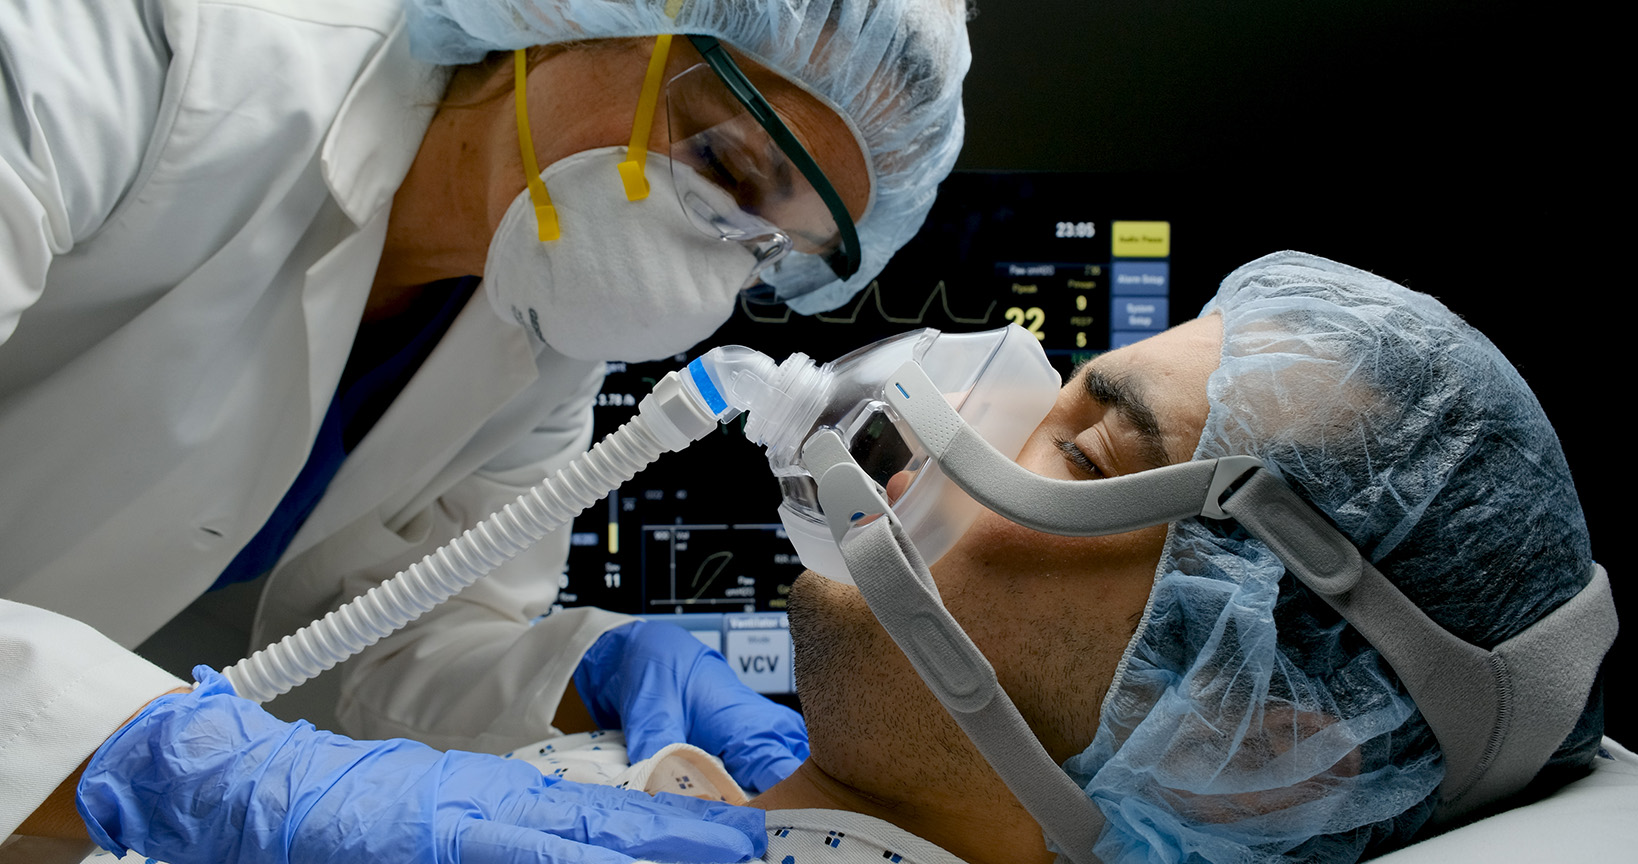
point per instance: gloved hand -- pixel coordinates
(209, 777)
(661, 685)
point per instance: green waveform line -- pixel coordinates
(940, 291)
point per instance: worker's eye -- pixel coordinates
(715, 167)
(1077, 457)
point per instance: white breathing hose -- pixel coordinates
(670, 418)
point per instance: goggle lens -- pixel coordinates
(734, 181)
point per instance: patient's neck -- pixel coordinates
(977, 825)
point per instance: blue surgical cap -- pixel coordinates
(891, 68)
(1247, 721)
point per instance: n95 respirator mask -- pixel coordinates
(627, 280)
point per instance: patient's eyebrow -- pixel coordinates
(1117, 392)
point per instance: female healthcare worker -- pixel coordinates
(241, 331)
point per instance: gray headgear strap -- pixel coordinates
(1498, 714)
(896, 584)
(1055, 506)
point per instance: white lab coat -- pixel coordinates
(193, 199)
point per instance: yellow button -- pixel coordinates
(1142, 240)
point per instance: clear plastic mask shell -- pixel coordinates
(999, 381)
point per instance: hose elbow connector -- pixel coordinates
(728, 379)
(782, 399)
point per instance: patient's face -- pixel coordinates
(1052, 614)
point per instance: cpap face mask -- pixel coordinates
(998, 382)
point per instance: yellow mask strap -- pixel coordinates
(545, 213)
(631, 170)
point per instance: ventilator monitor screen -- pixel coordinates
(695, 538)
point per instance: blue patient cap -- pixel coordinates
(1247, 721)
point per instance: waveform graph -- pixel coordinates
(939, 305)
(716, 567)
(904, 309)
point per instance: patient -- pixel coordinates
(1213, 708)
(1247, 721)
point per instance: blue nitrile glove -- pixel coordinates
(661, 685)
(209, 777)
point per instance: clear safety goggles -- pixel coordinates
(741, 175)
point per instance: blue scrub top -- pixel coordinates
(385, 355)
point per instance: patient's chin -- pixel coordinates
(863, 703)
(833, 632)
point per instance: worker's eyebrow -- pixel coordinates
(1118, 393)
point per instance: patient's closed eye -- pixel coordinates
(1077, 457)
